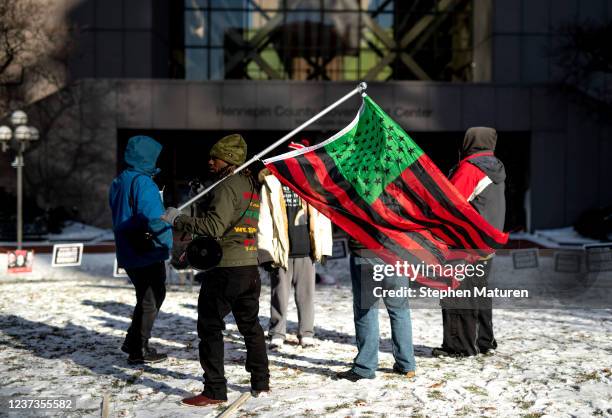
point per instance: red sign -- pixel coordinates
(20, 261)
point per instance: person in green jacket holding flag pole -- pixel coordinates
(230, 216)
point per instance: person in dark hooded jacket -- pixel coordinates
(136, 206)
(480, 177)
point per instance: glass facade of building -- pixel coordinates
(328, 39)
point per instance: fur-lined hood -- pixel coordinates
(262, 175)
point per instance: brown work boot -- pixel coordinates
(406, 373)
(201, 400)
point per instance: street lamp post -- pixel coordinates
(21, 135)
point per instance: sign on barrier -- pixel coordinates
(599, 257)
(339, 249)
(20, 261)
(568, 262)
(67, 255)
(525, 259)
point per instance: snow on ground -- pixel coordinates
(72, 231)
(566, 237)
(76, 231)
(62, 338)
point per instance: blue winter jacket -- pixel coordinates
(141, 156)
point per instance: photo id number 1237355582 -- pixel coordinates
(47, 403)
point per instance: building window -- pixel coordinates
(328, 39)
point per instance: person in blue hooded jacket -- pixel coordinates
(137, 206)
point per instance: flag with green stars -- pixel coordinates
(372, 180)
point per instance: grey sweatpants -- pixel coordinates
(301, 274)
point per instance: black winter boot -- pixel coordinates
(146, 355)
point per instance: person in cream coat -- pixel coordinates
(292, 236)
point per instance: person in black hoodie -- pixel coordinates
(480, 177)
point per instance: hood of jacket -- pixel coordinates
(262, 175)
(141, 154)
(491, 166)
(478, 140)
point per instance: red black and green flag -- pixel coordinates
(372, 180)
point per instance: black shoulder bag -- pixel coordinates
(204, 253)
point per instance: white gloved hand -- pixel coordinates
(170, 215)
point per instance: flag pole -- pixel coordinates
(359, 89)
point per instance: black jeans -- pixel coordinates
(150, 284)
(236, 290)
(468, 322)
